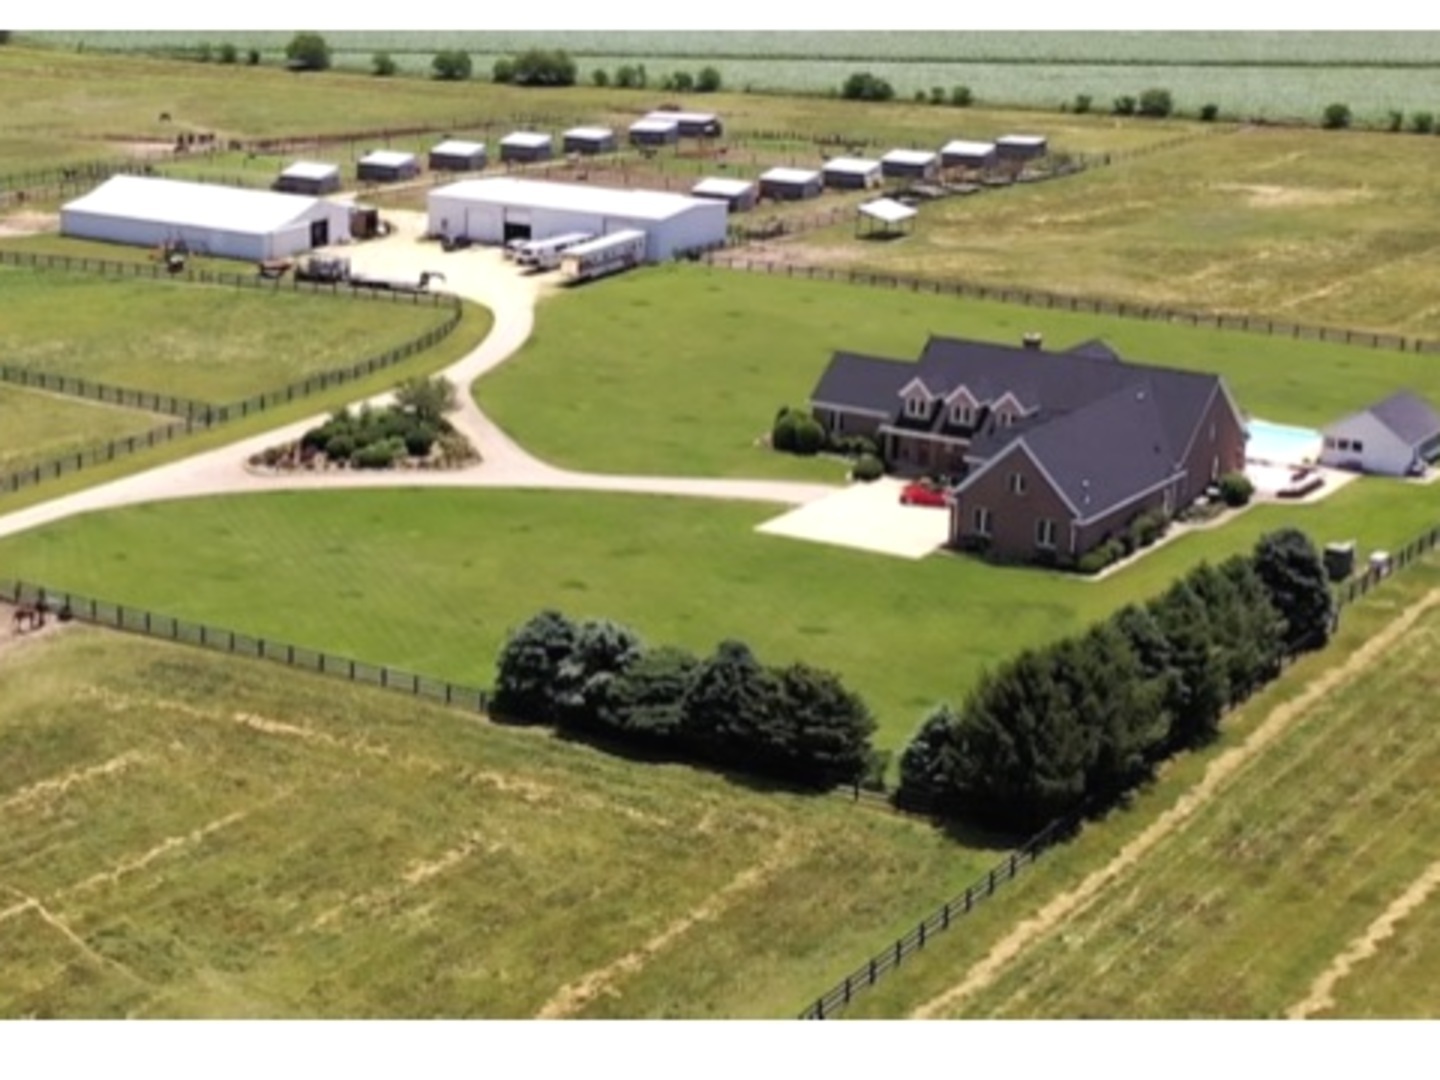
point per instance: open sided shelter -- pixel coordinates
(884, 218)
(387, 167)
(785, 183)
(211, 219)
(498, 210)
(457, 155)
(910, 165)
(851, 174)
(738, 195)
(589, 140)
(527, 146)
(308, 178)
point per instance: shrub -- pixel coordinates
(1209, 112)
(427, 399)
(529, 667)
(1156, 102)
(383, 65)
(1083, 103)
(863, 86)
(1148, 527)
(782, 435)
(1101, 556)
(682, 81)
(253, 57)
(307, 52)
(340, 447)
(809, 436)
(1422, 123)
(1124, 106)
(600, 77)
(708, 81)
(868, 468)
(543, 67)
(961, 97)
(228, 53)
(1236, 489)
(503, 70)
(1397, 120)
(937, 95)
(1335, 117)
(451, 65)
(379, 455)
(419, 439)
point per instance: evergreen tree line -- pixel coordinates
(1076, 725)
(796, 723)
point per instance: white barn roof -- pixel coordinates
(388, 158)
(861, 166)
(596, 133)
(683, 117)
(185, 203)
(1021, 140)
(310, 170)
(783, 175)
(962, 146)
(722, 187)
(656, 124)
(909, 157)
(582, 198)
(888, 211)
(459, 147)
(526, 138)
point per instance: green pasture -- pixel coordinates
(212, 343)
(38, 427)
(1329, 229)
(432, 581)
(237, 840)
(681, 369)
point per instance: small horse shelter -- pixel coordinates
(692, 125)
(527, 146)
(211, 219)
(1021, 147)
(308, 178)
(783, 183)
(387, 167)
(457, 155)
(851, 174)
(910, 165)
(965, 154)
(737, 195)
(655, 131)
(589, 140)
(883, 219)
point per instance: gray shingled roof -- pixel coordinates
(863, 382)
(1409, 417)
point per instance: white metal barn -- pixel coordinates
(229, 222)
(1396, 437)
(501, 209)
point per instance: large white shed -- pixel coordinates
(501, 209)
(1394, 437)
(211, 219)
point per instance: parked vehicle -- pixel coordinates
(924, 493)
(609, 254)
(546, 254)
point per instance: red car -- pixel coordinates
(922, 493)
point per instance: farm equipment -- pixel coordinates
(273, 269)
(326, 269)
(173, 254)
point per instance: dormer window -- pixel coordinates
(917, 408)
(962, 415)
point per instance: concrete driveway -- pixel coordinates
(867, 517)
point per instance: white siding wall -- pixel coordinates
(224, 243)
(1381, 452)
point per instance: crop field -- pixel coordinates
(433, 581)
(1272, 74)
(694, 403)
(211, 343)
(36, 427)
(190, 835)
(1287, 872)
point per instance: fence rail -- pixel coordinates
(835, 1000)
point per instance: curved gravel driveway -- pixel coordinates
(480, 275)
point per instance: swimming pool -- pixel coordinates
(1281, 444)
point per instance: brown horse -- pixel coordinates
(29, 615)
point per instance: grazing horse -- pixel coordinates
(29, 615)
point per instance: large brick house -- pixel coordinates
(1051, 453)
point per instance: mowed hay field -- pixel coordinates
(1286, 872)
(186, 834)
(37, 427)
(1321, 228)
(212, 343)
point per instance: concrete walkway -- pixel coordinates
(481, 275)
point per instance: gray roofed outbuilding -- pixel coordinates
(1409, 417)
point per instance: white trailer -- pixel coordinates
(606, 255)
(545, 254)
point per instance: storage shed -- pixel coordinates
(910, 165)
(387, 167)
(589, 140)
(1397, 437)
(738, 195)
(783, 183)
(211, 219)
(1021, 147)
(692, 125)
(499, 210)
(655, 131)
(851, 174)
(527, 146)
(962, 154)
(457, 155)
(308, 178)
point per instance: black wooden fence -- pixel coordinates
(1089, 305)
(72, 386)
(834, 1001)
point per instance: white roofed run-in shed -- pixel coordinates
(457, 155)
(967, 153)
(211, 219)
(526, 146)
(782, 182)
(738, 195)
(848, 172)
(914, 164)
(308, 178)
(387, 165)
(1021, 147)
(501, 209)
(884, 216)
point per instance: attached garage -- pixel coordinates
(589, 140)
(737, 195)
(211, 219)
(387, 167)
(457, 155)
(524, 146)
(496, 211)
(783, 183)
(309, 178)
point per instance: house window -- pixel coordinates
(962, 415)
(1357, 446)
(1215, 468)
(1005, 419)
(1017, 483)
(916, 407)
(981, 520)
(1045, 533)
(1329, 442)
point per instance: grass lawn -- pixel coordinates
(1321, 228)
(37, 427)
(233, 840)
(211, 343)
(680, 369)
(433, 581)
